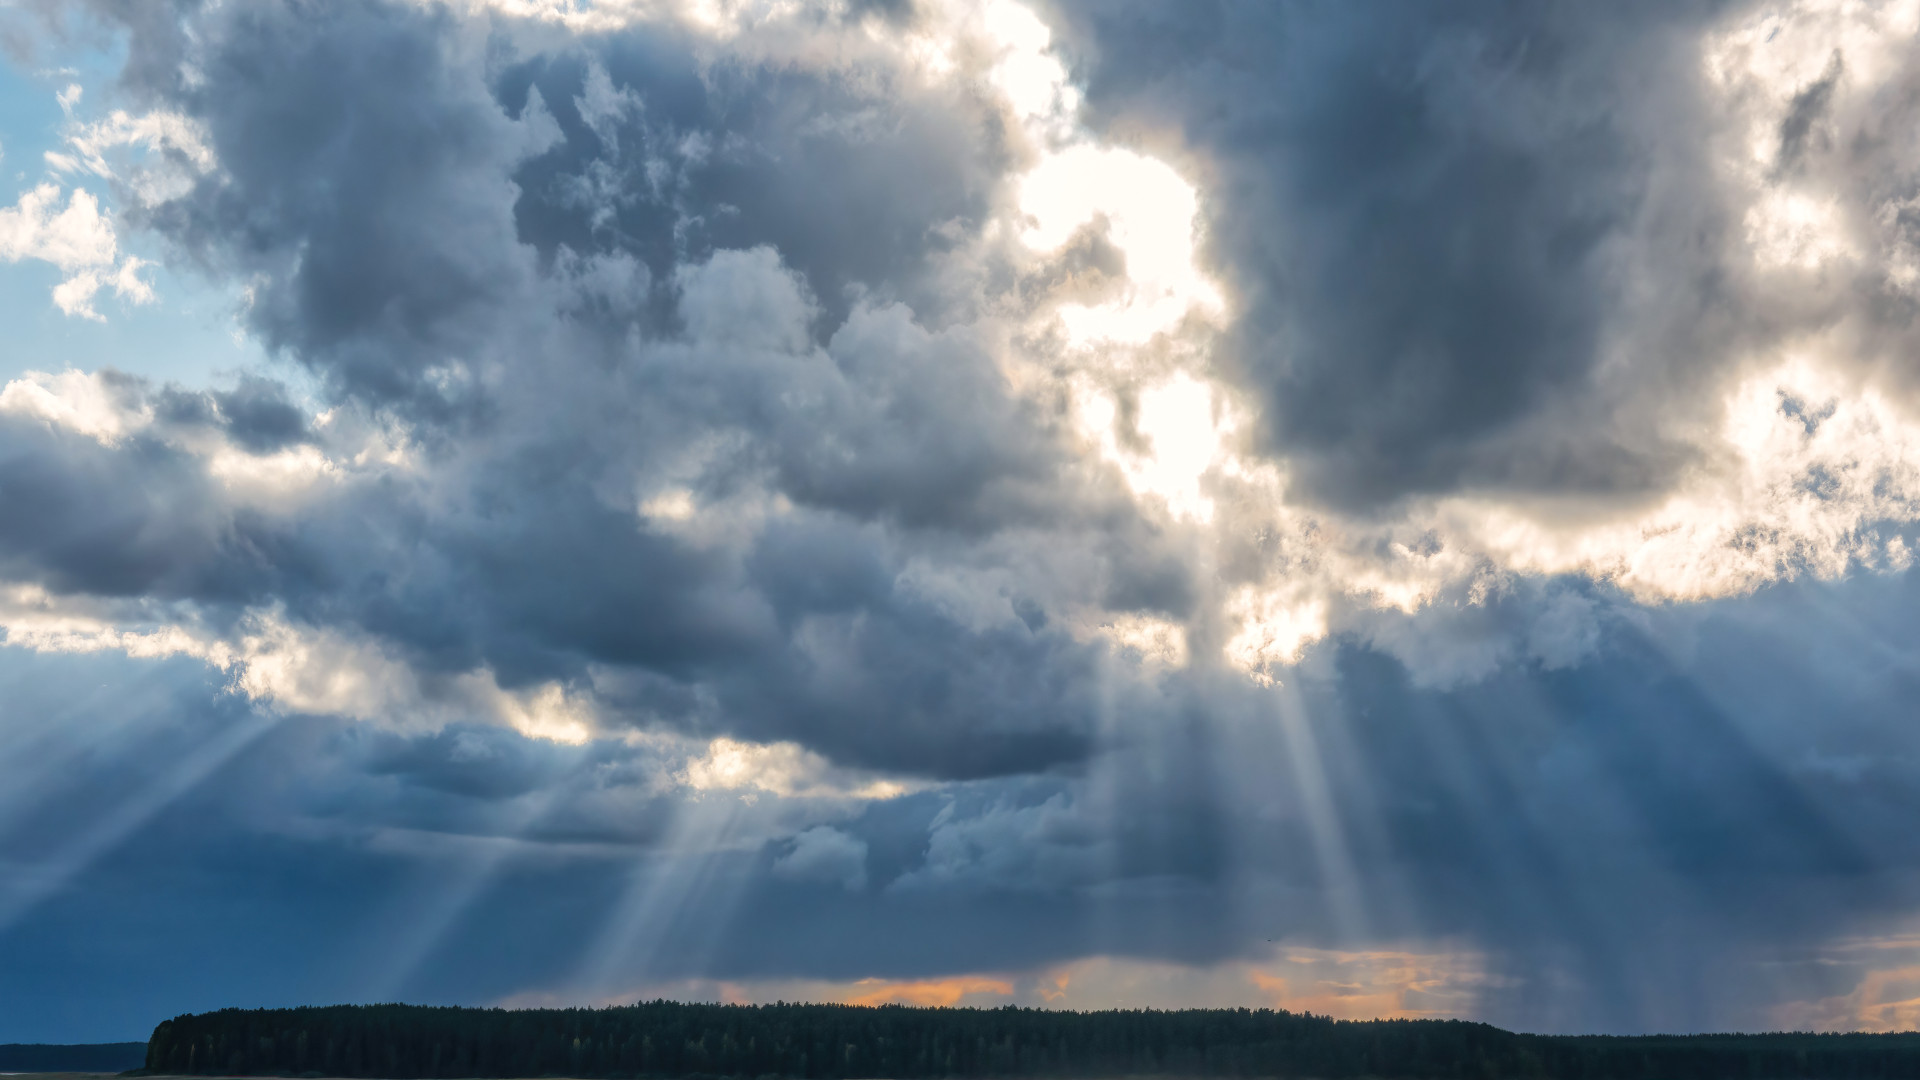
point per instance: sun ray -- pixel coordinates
(673, 894)
(476, 869)
(27, 889)
(1343, 893)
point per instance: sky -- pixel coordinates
(1393, 510)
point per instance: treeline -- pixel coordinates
(845, 1042)
(76, 1057)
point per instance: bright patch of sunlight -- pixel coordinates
(546, 712)
(1763, 62)
(675, 505)
(298, 669)
(78, 401)
(1033, 80)
(1793, 230)
(1808, 466)
(1176, 438)
(33, 618)
(785, 769)
(1157, 642)
(264, 476)
(1274, 628)
(1148, 212)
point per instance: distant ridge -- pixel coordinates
(71, 1057)
(846, 1042)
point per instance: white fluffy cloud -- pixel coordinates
(77, 238)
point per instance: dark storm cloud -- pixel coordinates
(140, 519)
(473, 761)
(808, 633)
(363, 185)
(387, 183)
(256, 415)
(1431, 217)
(854, 192)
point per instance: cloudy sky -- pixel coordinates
(1398, 509)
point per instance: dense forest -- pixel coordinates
(839, 1042)
(82, 1057)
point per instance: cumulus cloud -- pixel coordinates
(36, 228)
(78, 240)
(1161, 480)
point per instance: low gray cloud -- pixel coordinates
(824, 853)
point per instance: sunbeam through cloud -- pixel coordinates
(1395, 511)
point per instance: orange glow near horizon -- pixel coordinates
(927, 991)
(1375, 984)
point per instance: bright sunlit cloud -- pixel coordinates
(1148, 213)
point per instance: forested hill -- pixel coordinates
(840, 1042)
